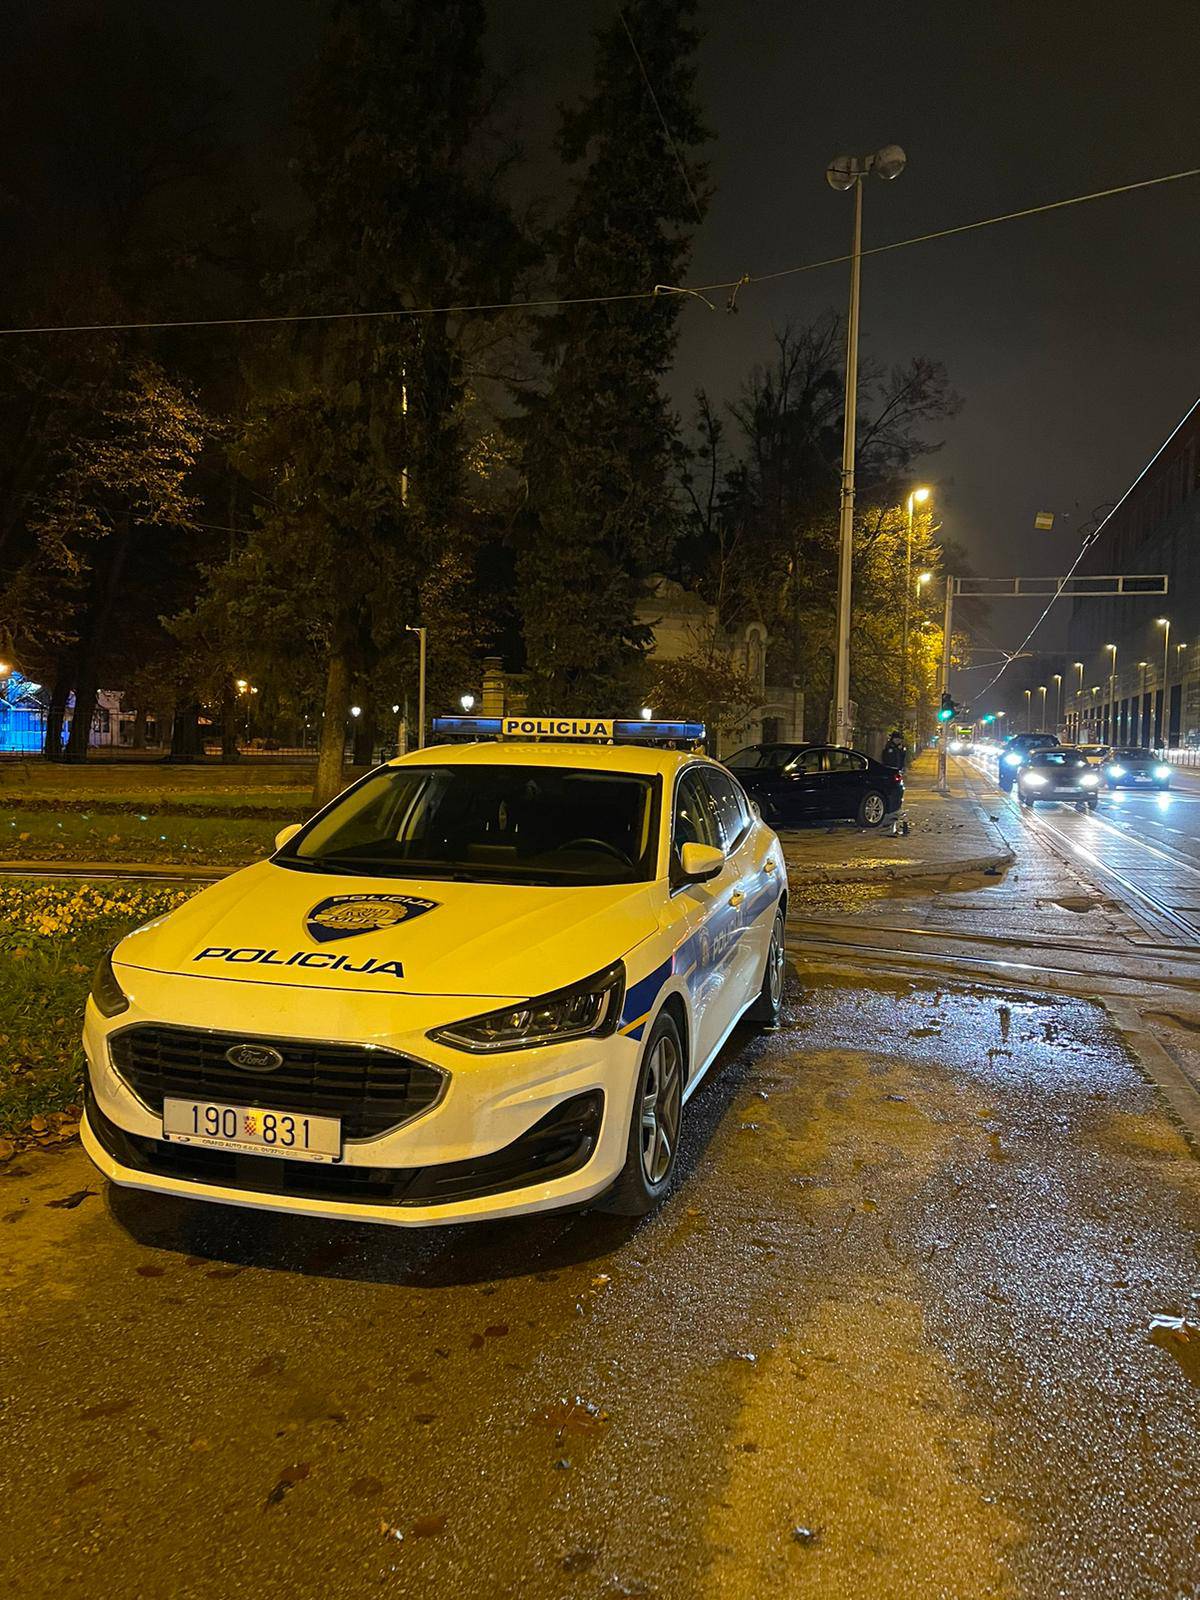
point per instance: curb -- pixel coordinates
(890, 871)
(114, 871)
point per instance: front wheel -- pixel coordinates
(872, 809)
(767, 1010)
(1025, 801)
(1093, 801)
(657, 1113)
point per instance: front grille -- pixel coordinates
(370, 1089)
(562, 1142)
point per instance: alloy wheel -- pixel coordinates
(662, 1103)
(873, 809)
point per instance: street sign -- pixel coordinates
(1044, 521)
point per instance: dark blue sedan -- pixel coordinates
(795, 783)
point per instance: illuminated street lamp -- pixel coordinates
(647, 714)
(5, 669)
(1029, 711)
(467, 702)
(1058, 712)
(356, 711)
(1042, 707)
(847, 172)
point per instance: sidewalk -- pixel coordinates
(947, 834)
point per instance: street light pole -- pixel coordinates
(420, 633)
(943, 786)
(914, 496)
(1164, 726)
(1058, 710)
(1110, 725)
(1141, 714)
(845, 172)
(1029, 711)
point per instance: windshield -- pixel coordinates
(1133, 755)
(488, 824)
(1056, 758)
(763, 758)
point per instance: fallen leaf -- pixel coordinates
(70, 1201)
(288, 1479)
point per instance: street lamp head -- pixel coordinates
(467, 702)
(1058, 677)
(647, 714)
(920, 496)
(888, 163)
(395, 711)
(924, 577)
(5, 669)
(356, 711)
(1143, 664)
(1110, 647)
(1078, 665)
(843, 172)
(1163, 622)
(242, 684)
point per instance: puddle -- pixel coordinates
(1181, 1339)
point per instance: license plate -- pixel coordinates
(254, 1129)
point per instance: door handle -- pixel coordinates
(769, 864)
(736, 898)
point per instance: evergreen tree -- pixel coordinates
(597, 443)
(356, 441)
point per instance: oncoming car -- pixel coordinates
(1058, 775)
(1134, 769)
(484, 981)
(1015, 751)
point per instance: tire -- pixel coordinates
(1093, 801)
(872, 809)
(649, 1168)
(767, 1010)
(1025, 801)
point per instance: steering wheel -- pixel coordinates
(597, 844)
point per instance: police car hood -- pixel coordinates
(270, 924)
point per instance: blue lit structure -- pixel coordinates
(22, 716)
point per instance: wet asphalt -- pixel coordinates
(893, 1334)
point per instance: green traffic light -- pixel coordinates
(944, 716)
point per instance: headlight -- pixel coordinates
(1012, 760)
(1116, 772)
(1090, 780)
(1162, 772)
(109, 997)
(590, 1009)
(1033, 780)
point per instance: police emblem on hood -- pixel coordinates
(341, 916)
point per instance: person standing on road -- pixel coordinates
(895, 753)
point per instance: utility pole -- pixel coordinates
(420, 633)
(848, 172)
(943, 786)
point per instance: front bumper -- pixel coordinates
(526, 1131)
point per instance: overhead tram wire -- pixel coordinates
(550, 303)
(1089, 541)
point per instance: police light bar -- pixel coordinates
(605, 730)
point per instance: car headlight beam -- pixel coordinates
(1090, 780)
(107, 994)
(1033, 780)
(589, 1009)
(1012, 760)
(1116, 772)
(1162, 772)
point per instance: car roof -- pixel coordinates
(649, 760)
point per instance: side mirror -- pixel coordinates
(701, 862)
(755, 808)
(284, 834)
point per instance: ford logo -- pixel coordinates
(254, 1057)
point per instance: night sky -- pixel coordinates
(1072, 337)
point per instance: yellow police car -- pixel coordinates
(482, 982)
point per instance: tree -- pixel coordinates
(355, 440)
(599, 510)
(120, 491)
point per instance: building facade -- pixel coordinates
(1134, 662)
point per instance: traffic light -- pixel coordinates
(988, 720)
(947, 709)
